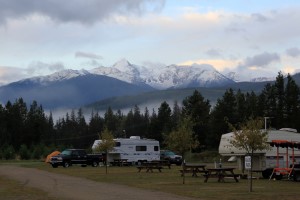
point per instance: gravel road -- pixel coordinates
(68, 187)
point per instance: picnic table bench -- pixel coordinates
(221, 174)
(150, 166)
(193, 169)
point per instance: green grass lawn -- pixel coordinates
(169, 180)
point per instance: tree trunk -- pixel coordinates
(106, 162)
(183, 171)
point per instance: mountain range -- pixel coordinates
(76, 88)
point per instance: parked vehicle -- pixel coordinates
(133, 149)
(171, 157)
(267, 160)
(69, 157)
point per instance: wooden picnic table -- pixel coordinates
(149, 166)
(220, 173)
(193, 168)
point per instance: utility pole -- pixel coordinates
(266, 122)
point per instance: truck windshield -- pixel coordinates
(170, 153)
(66, 152)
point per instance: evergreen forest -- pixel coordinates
(26, 132)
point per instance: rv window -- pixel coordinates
(141, 148)
(117, 144)
(155, 148)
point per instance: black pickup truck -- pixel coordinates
(76, 156)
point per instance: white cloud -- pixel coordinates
(39, 68)
(53, 30)
(11, 74)
(261, 60)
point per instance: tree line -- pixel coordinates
(28, 132)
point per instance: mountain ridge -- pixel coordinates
(75, 88)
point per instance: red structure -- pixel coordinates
(288, 169)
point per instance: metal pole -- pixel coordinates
(266, 123)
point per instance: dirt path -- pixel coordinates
(68, 187)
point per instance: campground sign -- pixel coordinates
(248, 162)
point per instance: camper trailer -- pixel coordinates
(264, 161)
(133, 149)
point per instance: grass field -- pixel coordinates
(169, 180)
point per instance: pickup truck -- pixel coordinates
(69, 157)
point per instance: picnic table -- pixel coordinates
(150, 166)
(193, 168)
(221, 173)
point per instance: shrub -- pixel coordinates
(8, 152)
(24, 152)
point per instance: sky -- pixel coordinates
(252, 38)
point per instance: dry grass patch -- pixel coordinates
(14, 190)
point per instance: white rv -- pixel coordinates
(265, 160)
(134, 149)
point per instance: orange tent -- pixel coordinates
(54, 153)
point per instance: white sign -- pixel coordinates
(247, 162)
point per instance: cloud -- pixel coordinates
(11, 74)
(80, 54)
(214, 52)
(259, 17)
(261, 60)
(86, 12)
(293, 52)
(39, 68)
(218, 64)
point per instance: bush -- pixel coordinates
(8, 152)
(24, 152)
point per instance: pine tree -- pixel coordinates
(292, 102)
(196, 108)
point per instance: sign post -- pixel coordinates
(248, 162)
(248, 167)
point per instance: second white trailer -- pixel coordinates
(266, 160)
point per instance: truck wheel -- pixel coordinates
(54, 165)
(66, 164)
(95, 164)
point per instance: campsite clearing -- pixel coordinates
(169, 181)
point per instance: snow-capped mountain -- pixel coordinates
(172, 76)
(158, 77)
(122, 70)
(58, 76)
(74, 88)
